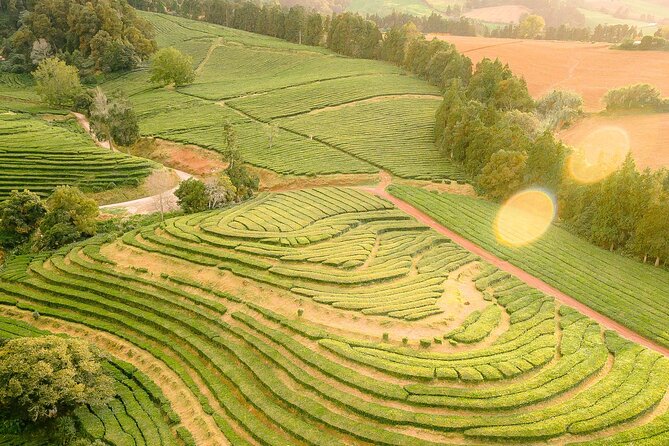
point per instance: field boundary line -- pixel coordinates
(519, 273)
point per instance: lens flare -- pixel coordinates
(600, 154)
(524, 217)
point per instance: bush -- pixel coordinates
(192, 196)
(639, 96)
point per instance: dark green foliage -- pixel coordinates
(245, 182)
(192, 196)
(105, 36)
(20, 215)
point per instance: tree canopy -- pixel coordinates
(171, 66)
(96, 35)
(45, 377)
(57, 82)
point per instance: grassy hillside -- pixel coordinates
(40, 155)
(627, 291)
(251, 80)
(187, 292)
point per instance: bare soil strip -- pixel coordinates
(521, 274)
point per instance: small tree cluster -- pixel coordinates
(67, 216)
(113, 119)
(635, 97)
(46, 377)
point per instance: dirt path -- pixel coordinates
(83, 122)
(521, 274)
(215, 44)
(148, 205)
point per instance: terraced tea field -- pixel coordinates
(40, 155)
(329, 317)
(252, 81)
(139, 415)
(626, 290)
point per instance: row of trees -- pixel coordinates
(98, 35)
(533, 27)
(642, 97)
(627, 211)
(504, 139)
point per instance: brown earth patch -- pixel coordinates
(589, 69)
(648, 135)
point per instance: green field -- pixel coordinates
(138, 415)
(40, 155)
(251, 80)
(279, 377)
(626, 290)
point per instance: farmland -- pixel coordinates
(648, 136)
(40, 155)
(304, 368)
(254, 81)
(585, 68)
(624, 289)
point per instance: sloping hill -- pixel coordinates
(343, 343)
(40, 155)
(251, 80)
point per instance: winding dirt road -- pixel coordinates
(144, 205)
(148, 205)
(534, 282)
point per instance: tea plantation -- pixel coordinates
(519, 368)
(40, 155)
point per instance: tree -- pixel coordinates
(651, 235)
(171, 66)
(46, 377)
(192, 196)
(70, 216)
(495, 84)
(244, 182)
(272, 132)
(57, 82)
(220, 191)
(231, 152)
(503, 175)
(113, 119)
(559, 108)
(21, 214)
(531, 27)
(41, 50)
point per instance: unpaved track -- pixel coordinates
(521, 274)
(148, 205)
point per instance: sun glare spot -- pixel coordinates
(524, 217)
(600, 154)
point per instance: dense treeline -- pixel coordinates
(434, 23)
(647, 43)
(489, 123)
(626, 211)
(641, 97)
(601, 33)
(93, 35)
